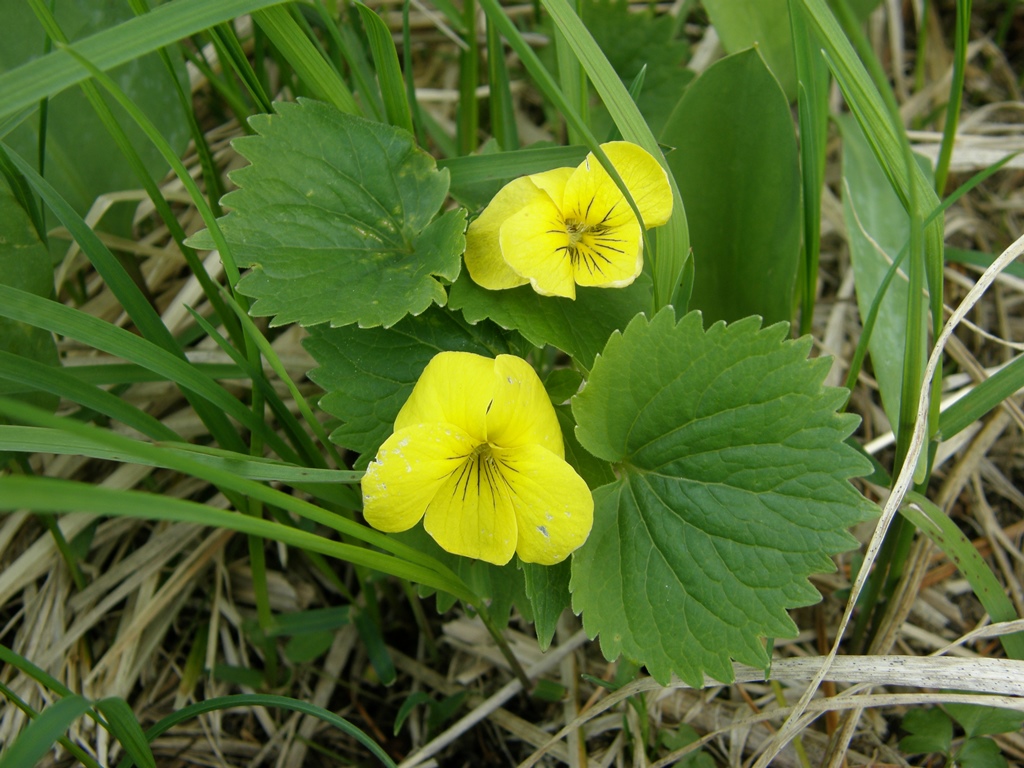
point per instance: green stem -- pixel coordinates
(956, 94)
(503, 646)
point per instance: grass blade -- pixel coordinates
(36, 740)
(265, 700)
(937, 525)
(56, 441)
(160, 456)
(45, 378)
(389, 73)
(124, 727)
(313, 69)
(48, 75)
(56, 318)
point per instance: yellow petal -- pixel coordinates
(553, 505)
(645, 179)
(521, 412)
(454, 388)
(471, 513)
(484, 261)
(610, 257)
(410, 467)
(535, 244)
(553, 182)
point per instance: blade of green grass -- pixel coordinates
(502, 166)
(389, 73)
(937, 525)
(468, 112)
(812, 110)
(38, 738)
(214, 187)
(160, 456)
(573, 80)
(133, 303)
(264, 700)
(956, 93)
(350, 46)
(129, 296)
(503, 117)
(43, 440)
(124, 727)
(270, 355)
(56, 318)
(316, 72)
(1004, 383)
(60, 496)
(48, 75)
(299, 439)
(45, 378)
(230, 52)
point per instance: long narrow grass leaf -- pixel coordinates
(987, 395)
(124, 727)
(56, 318)
(43, 494)
(935, 524)
(956, 93)
(316, 73)
(812, 111)
(298, 436)
(48, 75)
(389, 73)
(36, 740)
(160, 456)
(46, 378)
(503, 117)
(43, 440)
(350, 46)
(265, 700)
(270, 355)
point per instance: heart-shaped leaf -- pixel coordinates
(732, 488)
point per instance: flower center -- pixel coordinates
(575, 230)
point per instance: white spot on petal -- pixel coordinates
(543, 531)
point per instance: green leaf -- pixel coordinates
(38, 739)
(741, 24)
(980, 753)
(124, 726)
(877, 227)
(579, 327)
(82, 159)
(930, 731)
(947, 536)
(632, 41)
(732, 488)
(502, 586)
(547, 587)
(309, 646)
(373, 643)
(48, 75)
(978, 720)
(266, 700)
(740, 181)
(336, 216)
(385, 56)
(368, 373)
(25, 264)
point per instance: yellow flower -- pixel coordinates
(477, 453)
(570, 226)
